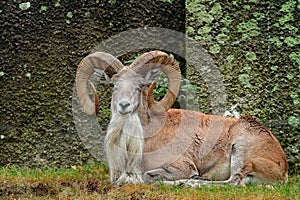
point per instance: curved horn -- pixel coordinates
(150, 99)
(96, 98)
(99, 60)
(157, 59)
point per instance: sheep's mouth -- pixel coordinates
(122, 112)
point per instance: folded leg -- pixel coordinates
(182, 168)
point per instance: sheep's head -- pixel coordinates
(129, 81)
(127, 88)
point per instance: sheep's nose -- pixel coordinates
(124, 105)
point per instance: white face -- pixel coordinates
(127, 89)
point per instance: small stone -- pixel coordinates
(24, 6)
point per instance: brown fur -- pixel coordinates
(204, 146)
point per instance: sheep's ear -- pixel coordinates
(152, 75)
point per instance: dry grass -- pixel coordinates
(92, 182)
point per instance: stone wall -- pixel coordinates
(255, 45)
(41, 46)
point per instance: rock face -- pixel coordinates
(254, 47)
(41, 45)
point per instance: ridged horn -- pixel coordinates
(150, 99)
(157, 59)
(98, 60)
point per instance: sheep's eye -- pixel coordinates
(111, 84)
(113, 87)
(140, 87)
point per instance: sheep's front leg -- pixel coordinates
(129, 177)
(180, 169)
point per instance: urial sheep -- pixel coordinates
(148, 141)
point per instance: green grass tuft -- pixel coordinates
(92, 182)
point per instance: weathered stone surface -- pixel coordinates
(255, 46)
(41, 46)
